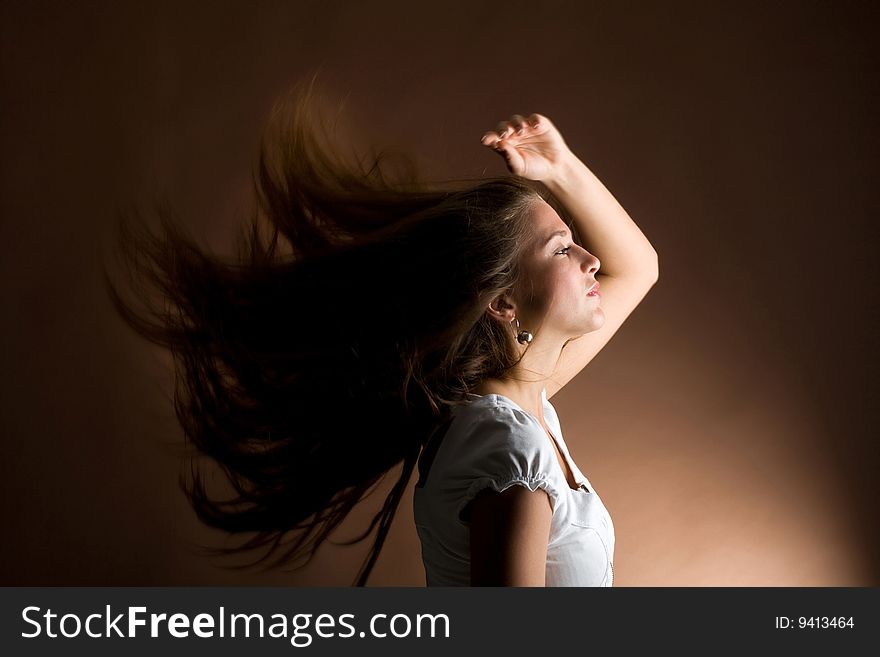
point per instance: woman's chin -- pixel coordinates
(597, 320)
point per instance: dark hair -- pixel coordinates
(350, 323)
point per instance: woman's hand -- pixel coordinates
(532, 148)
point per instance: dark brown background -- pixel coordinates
(729, 426)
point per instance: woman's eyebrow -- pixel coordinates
(559, 233)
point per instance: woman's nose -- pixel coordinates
(591, 263)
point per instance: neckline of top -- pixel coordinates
(511, 402)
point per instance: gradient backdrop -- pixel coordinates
(730, 425)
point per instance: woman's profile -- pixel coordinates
(372, 320)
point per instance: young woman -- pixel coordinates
(369, 316)
(500, 501)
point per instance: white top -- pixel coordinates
(493, 442)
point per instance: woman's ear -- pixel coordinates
(502, 309)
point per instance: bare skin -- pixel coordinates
(510, 531)
(560, 273)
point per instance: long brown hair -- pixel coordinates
(350, 323)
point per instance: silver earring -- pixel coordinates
(523, 337)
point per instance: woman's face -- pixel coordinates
(557, 274)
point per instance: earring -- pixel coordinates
(523, 337)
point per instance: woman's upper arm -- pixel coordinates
(509, 533)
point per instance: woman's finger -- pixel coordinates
(518, 123)
(514, 127)
(503, 153)
(512, 159)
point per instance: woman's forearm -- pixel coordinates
(605, 228)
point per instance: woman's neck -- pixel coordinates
(528, 395)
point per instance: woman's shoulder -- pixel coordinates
(490, 424)
(497, 444)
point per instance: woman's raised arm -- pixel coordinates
(534, 149)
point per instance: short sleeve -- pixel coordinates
(505, 448)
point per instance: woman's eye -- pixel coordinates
(564, 251)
